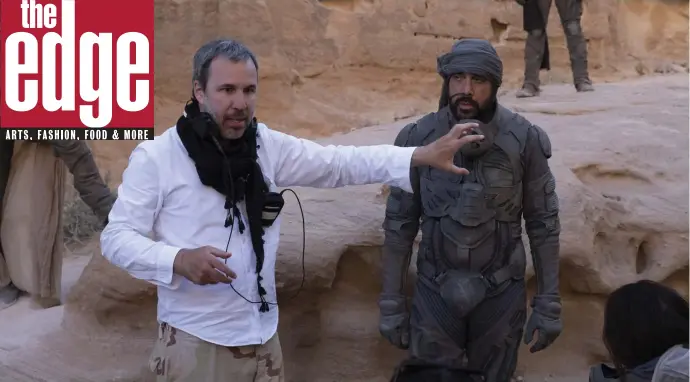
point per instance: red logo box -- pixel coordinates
(76, 63)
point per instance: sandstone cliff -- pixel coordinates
(333, 65)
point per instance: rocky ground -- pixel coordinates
(621, 161)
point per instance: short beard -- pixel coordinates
(461, 114)
(483, 114)
(205, 109)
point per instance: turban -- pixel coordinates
(471, 56)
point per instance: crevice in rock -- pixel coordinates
(438, 35)
(641, 258)
(499, 30)
(345, 5)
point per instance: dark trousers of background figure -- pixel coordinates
(570, 13)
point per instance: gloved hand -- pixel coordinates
(546, 320)
(394, 323)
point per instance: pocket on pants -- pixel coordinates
(157, 360)
(270, 361)
(174, 355)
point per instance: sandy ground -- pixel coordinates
(25, 321)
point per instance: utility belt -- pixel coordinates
(462, 290)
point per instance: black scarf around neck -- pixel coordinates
(230, 167)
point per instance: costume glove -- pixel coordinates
(394, 322)
(545, 320)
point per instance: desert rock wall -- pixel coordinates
(310, 37)
(335, 65)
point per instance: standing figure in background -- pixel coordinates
(535, 18)
(31, 204)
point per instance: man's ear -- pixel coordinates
(198, 91)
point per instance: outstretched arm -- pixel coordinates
(541, 211)
(301, 162)
(87, 179)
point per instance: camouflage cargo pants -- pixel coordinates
(181, 357)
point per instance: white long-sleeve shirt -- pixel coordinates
(162, 207)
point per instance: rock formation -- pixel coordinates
(621, 164)
(333, 65)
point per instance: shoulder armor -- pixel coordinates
(515, 123)
(431, 127)
(405, 135)
(512, 137)
(544, 141)
(416, 133)
(522, 128)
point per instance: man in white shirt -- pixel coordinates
(193, 216)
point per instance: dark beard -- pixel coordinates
(483, 114)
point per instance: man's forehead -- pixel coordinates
(238, 73)
(467, 74)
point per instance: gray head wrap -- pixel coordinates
(472, 56)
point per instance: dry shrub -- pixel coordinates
(79, 223)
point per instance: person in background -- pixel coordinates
(535, 20)
(31, 201)
(646, 334)
(197, 215)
